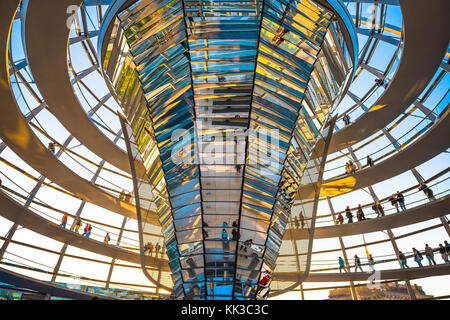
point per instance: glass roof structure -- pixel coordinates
(207, 145)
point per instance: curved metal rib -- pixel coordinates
(432, 143)
(426, 36)
(46, 36)
(22, 281)
(13, 211)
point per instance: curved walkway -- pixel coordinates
(401, 274)
(21, 281)
(13, 211)
(16, 133)
(46, 36)
(430, 210)
(426, 35)
(432, 143)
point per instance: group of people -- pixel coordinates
(444, 250)
(125, 196)
(76, 227)
(298, 221)
(148, 248)
(359, 215)
(370, 262)
(224, 234)
(397, 200)
(350, 167)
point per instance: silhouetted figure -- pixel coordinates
(370, 161)
(429, 254)
(443, 253)
(417, 257)
(358, 263)
(296, 223)
(402, 259)
(340, 218)
(342, 265)
(346, 119)
(393, 200)
(349, 215)
(428, 192)
(157, 248)
(401, 200)
(360, 213)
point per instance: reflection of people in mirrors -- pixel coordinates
(234, 233)
(246, 244)
(224, 234)
(264, 284)
(296, 223)
(302, 219)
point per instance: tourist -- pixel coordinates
(381, 82)
(107, 238)
(429, 254)
(402, 259)
(77, 224)
(375, 209)
(89, 231)
(347, 168)
(302, 219)
(235, 223)
(342, 265)
(428, 192)
(380, 209)
(349, 214)
(370, 162)
(417, 257)
(443, 253)
(224, 234)
(358, 263)
(51, 147)
(352, 167)
(205, 232)
(86, 229)
(234, 233)
(371, 262)
(64, 220)
(360, 213)
(346, 119)
(225, 225)
(149, 247)
(447, 248)
(401, 200)
(157, 248)
(393, 200)
(245, 244)
(296, 223)
(340, 218)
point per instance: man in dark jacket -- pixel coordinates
(349, 214)
(401, 200)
